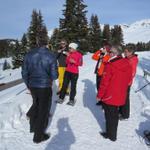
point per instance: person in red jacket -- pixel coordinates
(133, 60)
(113, 89)
(101, 56)
(73, 61)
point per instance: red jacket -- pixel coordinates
(133, 60)
(78, 61)
(115, 81)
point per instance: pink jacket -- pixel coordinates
(73, 67)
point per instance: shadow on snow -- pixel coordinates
(89, 101)
(64, 138)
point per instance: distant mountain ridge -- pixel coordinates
(138, 31)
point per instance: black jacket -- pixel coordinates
(61, 57)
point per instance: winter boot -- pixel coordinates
(147, 136)
(104, 135)
(99, 103)
(60, 101)
(71, 102)
(58, 93)
(42, 138)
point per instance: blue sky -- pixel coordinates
(15, 15)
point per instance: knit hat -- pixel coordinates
(73, 45)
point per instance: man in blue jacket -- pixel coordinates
(38, 71)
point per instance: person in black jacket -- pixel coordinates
(38, 72)
(61, 58)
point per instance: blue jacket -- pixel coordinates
(39, 68)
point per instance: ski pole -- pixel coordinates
(142, 87)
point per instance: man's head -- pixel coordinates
(63, 43)
(73, 47)
(106, 49)
(128, 51)
(115, 50)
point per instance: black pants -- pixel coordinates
(69, 77)
(111, 117)
(98, 80)
(39, 111)
(125, 109)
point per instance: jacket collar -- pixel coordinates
(115, 58)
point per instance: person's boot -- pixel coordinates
(147, 134)
(60, 101)
(99, 103)
(58, 93)
(71, 102)
(104, 135)
(43, 137)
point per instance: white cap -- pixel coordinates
(73, 45)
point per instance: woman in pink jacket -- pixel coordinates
(73, 61)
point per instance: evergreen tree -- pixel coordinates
(117, 35)
(6, 65)
(23, 48)
(106, 33)
(17, 56)
(19, 52)
(6, 47)
(73, 27)
(139, 46)
(147, 48)
(37, 30)
(82, 26)
(68, 23)
(32, 31)
(94, 34)
(55, 39)
(24, 44)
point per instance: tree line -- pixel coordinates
(73, 27)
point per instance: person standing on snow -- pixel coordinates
(133, 60)
(73, 61)
(61, 58)
(38, 72)
(101, 56)
(113, 88)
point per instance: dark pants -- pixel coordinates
(125, 109)
(98, 80)
(39, 111)
(69, 77)
(111, 117)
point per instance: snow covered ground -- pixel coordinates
(76, 128)
(9, 74)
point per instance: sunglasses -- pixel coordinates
(63, 43)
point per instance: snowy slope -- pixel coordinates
(137, 32)
(76, 128)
